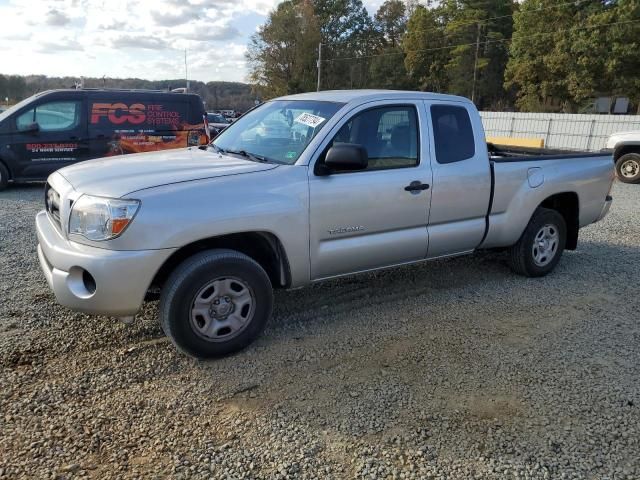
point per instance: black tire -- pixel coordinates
(4, 177)
(197, 274)
(628, 168)
(530, 262)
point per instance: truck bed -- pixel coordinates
(507, 153)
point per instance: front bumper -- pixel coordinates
(116, 283)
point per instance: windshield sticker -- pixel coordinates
(309, 119)
(291, 154)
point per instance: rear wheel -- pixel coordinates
(539, 249)
(628, 168)
(215, 303)
(4, 177)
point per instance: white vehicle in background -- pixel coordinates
(626, 153)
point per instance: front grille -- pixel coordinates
(52, 204)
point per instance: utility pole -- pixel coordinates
(475, 65)
(186, 73)
(319, 65)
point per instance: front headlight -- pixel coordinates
(99, 218)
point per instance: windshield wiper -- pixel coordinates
(243, 153)
(251, 156)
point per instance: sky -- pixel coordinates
(131, 38)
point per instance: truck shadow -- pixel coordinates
(453, 280)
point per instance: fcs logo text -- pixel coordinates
(118, 113)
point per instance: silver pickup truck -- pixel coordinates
(302, 189)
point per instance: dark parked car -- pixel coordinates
(217, 123)
(56, 128)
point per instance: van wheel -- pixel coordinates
(4, 177)
(539, 249)
(628, 168)
(215, 303)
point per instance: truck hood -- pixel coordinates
(615, 138)
(118, 176)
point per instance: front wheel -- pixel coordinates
(215, 303)
(539, 249)
(628, 168)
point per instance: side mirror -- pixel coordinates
(346, 156)
(31, 128)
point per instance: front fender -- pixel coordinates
(273, 201)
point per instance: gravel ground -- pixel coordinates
(451, 369)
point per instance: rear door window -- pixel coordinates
(196, 110)
(452, 133)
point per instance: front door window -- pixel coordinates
(51, 117)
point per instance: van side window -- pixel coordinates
(389, 134)
(51, 117)
(452, 133)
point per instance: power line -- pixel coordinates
(573, 29)
(575, 3)
(481, 22)
(422, 50)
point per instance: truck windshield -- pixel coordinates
(276, 131)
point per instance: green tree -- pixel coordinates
(3, 89)
(349, 38)
(623, 60)
(14, 87)
(528, 70)
(387, 68)
(217, 95)
(425, 48)
(604, 51)
(563, 55)
(480, 27)
(282, 54)
(391, 22)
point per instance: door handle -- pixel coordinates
(416, 186)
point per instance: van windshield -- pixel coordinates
(9, 111)
(276, 131)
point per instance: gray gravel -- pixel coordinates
(451, 369)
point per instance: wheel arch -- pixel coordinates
(263, 247)
(566, 204)
(623, 149)
(6, 166)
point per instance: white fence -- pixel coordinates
(559, 130)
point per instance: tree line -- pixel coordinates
(216, 95)
(532, 55)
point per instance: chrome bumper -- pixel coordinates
(95, 280)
